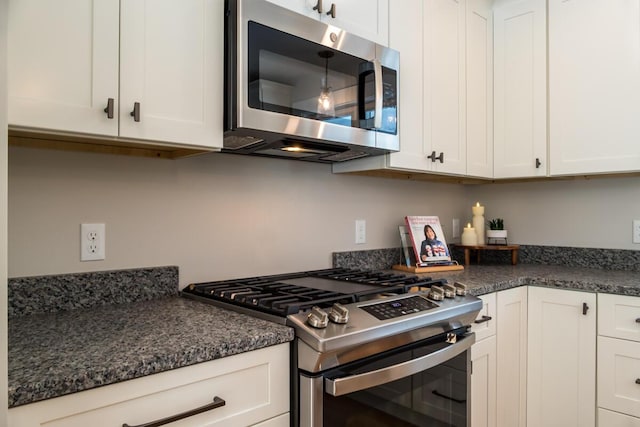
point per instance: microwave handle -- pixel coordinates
(377, 74)
(358, 382)
(374, 67)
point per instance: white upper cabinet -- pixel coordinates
(594, 86)
(71, 60)
(445, 112)
(444, 78)
(520, 133)
(479, 89)
(63, 65)
(365, 18)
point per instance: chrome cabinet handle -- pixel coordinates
(318, 6)
(433, 157)
(357, 382)
(109, 108)
(217, 402)
(332, 11)
(136, 112)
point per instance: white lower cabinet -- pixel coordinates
(512, 357)
(483, 365)
(254, 386)
(618, 361)
(561, 360)
(615, 419)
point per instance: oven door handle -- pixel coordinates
(358, 382)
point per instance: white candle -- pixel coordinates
(478, 209)
(478, 222)
(469, 236)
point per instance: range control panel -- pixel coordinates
(397, 308)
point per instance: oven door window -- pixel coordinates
(296, 77)
(434, 397)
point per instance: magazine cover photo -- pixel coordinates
(428, 239)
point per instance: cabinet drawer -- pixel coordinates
(254, 385)
(619, 316)
(614, 419)
(485, 324)
(618, 371)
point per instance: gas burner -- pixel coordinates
(285, 294)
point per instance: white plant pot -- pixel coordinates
(497, 234)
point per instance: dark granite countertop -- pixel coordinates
(53, 354)
(484, 279)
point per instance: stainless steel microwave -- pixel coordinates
(299, 88)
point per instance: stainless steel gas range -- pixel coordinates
(372, 348)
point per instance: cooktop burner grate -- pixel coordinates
(286, 294)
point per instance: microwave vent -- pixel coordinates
(344, 156)
(234, 142)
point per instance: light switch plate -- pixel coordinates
(361, 231)
(636, 231)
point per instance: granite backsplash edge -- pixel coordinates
(65, 292)
(597, 258)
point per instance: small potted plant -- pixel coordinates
(496, 233)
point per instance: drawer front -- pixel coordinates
(280, 421)
(254, 385)
(618, 371)
(485, 324)
(615, 419)
(619, 316)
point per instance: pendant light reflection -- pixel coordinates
(326, 104)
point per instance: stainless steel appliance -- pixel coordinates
(371, 348)
(299, 88)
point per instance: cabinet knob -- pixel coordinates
(637, 380)
(109, 108)
(585, 308)
(538, 163)
(136, 112)
(332, 11)
(318, 6)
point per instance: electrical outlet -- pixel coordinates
(92, 242)
(361, 231)
(636, 231)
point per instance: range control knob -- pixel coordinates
(436, 293)
(461, 288)
(449, 291)
(339, 313)
(318, 318)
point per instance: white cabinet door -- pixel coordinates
(512, 357)
(479, 90)
(171, 65)
(368, 19)
(483, 383)
(614, 419)
(520, 132)
(254, 386)
(594, 86)
(561, 362)
(444, 65)
(618, 373)
(63, 65)
(618, 316)
(303, 7)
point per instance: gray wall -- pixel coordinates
(215, 216)
(218, 216)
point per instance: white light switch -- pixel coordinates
(361, 231)
(455, 233)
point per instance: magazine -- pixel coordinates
(428, 241)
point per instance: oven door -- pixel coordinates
(423, 384)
